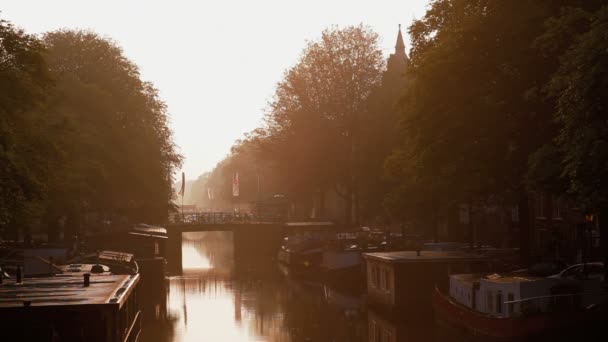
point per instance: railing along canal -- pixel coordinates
(224, 218)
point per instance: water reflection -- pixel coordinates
(213, 300)
(220, 299)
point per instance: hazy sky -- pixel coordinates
(215, 63)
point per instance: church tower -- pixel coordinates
(398, 61)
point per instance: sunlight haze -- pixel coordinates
(215, 63)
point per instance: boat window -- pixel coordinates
(499, 302)
(372, 331)
(375, 276)
(387, 336)
(387, 279)
(489, 302)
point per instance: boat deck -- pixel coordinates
(65, 290)
(424, 256)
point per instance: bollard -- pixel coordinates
(87, 279)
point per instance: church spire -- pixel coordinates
(400, 46)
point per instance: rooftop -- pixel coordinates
(66, 290)
(425, 256)
(467, 277)
(147, 229)
(496, 278)
(308, 224)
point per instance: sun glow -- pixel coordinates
(192, 259)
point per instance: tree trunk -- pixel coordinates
(348, 205)
(53, 228)
(603, 222)
(322, 203)
(435, 218)
(470, 227)
(524, 228)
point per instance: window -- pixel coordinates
(386, 336)
(489, 302)
(499, 302)
(385, 281)
(540, 205)
(556, 208)
(510, 306)
(515, 214)
(372, 331)
(375, 276)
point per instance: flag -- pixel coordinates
(183, 190)
(235, 184)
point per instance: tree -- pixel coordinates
(313, 126)
(474, 111)
(24, 149)
(580, 86)
(119, 156)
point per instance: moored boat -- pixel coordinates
(510, 307)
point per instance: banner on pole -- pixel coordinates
(183, 189)
(235, 184)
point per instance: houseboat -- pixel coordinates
(406, 279)
(91, 307)
(513, 306)
(302, 251)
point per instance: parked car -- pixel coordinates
(590, 270)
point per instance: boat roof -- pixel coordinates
(80, 269)
(424, 256)
(155, 236)
(154, 230)
(115, 256)
(67, 290)
(497, 278)
(308, 224)
(469, 278)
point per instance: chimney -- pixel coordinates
(87, 279)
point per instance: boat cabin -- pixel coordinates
(147, 241)
(71, 308)
(503, 296)
(400, 280)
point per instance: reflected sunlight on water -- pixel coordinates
(192, 259)
(219, 299)
(207, 310)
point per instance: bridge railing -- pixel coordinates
(224, 218)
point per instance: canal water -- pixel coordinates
(219, 299)
(214, 299)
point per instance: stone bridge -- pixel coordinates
(251, 238)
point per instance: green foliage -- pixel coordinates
(580, 87)
(118, 149)
(472, 114)
(24, 82)
(82, 137)
(310, 141)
